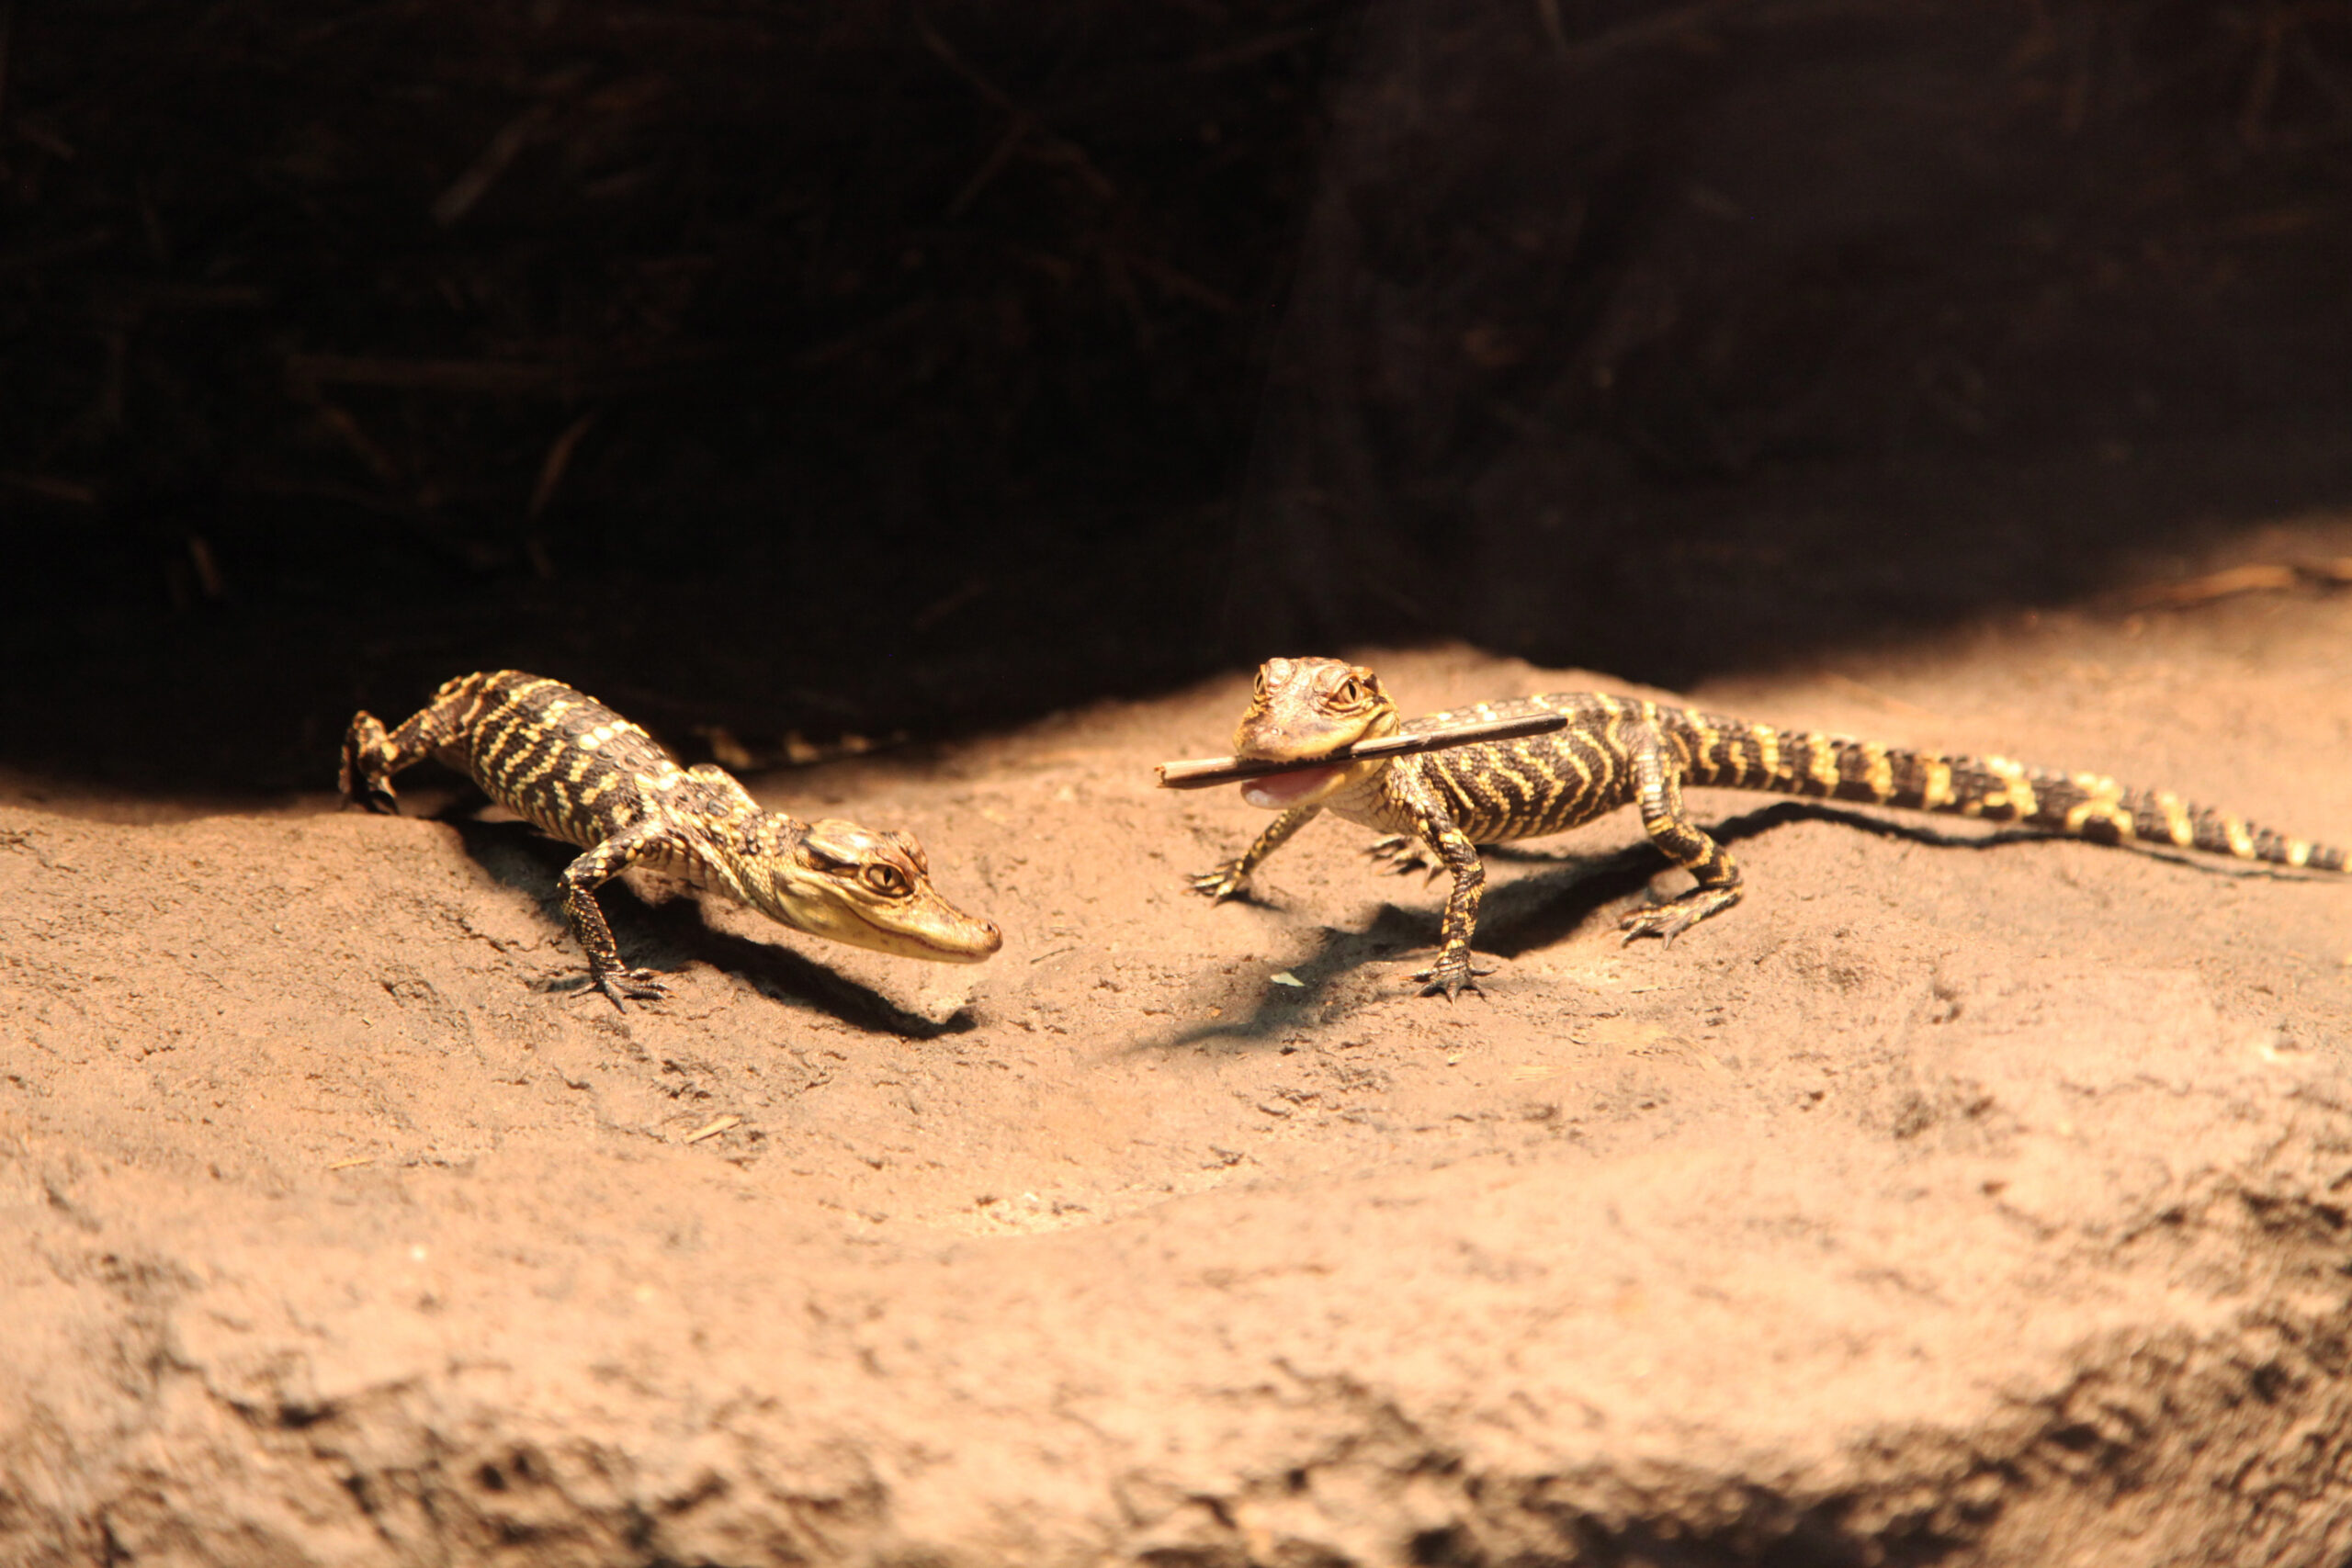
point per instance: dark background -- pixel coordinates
(813, 369)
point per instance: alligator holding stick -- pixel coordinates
(1616, 752)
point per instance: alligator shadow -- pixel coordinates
(1535, 911)
(668, 934)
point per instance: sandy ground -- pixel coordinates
(1953, 1199)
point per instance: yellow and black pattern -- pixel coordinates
(554, 756)
(1552, 783)
(1621, 750)
(575, 769)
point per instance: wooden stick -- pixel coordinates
(1202, 772)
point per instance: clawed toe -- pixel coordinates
(1448, 986)
(1217, 886)
(1664, 922)
(636, 985)
(1667, 921)
(1405, 854)
(1450, 980)
(377, 798)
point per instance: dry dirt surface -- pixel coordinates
(1953, 1199)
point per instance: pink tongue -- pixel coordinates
(1277, 791)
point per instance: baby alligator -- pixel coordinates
(574, 768)
(1621, 750)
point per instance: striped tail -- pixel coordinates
(1727, 753)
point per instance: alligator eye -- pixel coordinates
(1258, 691)
(886, 880)
(1350, 693)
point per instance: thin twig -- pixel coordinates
(712, 1128)
(1547, 12)
(1180, 284)
(2265, 83)
(1649, 31)
(72, 491)
(1026, 126)
(495, 158)
(956, 63)
(1255, 49)
(427, 375)
(1205, 771)
(993, 164)
(559, 458)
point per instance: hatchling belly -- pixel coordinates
(1379, 813)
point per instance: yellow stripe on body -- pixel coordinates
(2103, 801)
(1708, 738)
(1612, 741)
(516, 696)
(1573, 759)
(473, 710)
(2016, 794)
(602, 733)
(1878, 770)
(510, 700)
(510, 743)
(2110, 811)
(1821, 762)
(556, 749)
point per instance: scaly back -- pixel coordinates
(548, 752)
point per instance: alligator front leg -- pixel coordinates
(581, 880)
(1453, 973)
(1227, 879)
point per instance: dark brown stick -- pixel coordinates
(1204, 772)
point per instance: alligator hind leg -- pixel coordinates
(1658, 778)
(371, 755)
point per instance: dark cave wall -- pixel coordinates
(1585, 321)
(868, 367)
(513, 283)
